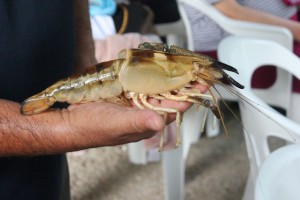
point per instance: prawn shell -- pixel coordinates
(154, 72)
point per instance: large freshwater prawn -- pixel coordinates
(154, 70)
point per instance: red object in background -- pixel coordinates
(264, 77)
(296, 82)
(212, 54)
(291, 2)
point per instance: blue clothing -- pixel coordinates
(102, 7)
(37, 41)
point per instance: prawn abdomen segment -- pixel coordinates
(98, 82)
(148, 72)
(87, 92)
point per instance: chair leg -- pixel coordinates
(212, 125)
(249, 189)
(191, 128)
(174, 173)
(137, 153)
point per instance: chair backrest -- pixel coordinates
(248, 54)
(260, 121)
(235, 27)
(279, 176)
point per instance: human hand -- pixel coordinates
(106, 124)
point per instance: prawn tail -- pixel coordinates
(36, 104)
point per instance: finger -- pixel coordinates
(138, 125)
(143, 120)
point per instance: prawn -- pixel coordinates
(154, 70)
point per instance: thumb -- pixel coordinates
(145, 120)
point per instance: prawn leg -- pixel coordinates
(143, 98)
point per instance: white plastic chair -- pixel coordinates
(174, 32)
(174, 160)
(279, 175)
(258, 129)
(235, 27)
(250, 54)
(246, 54)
